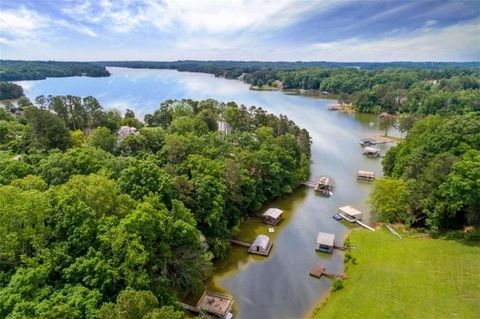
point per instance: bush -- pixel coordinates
(338, 284)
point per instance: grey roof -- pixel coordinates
(273, 212)
(261, 241)
(325, 239)
(349, 210)
(370, 149)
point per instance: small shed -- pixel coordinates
(216, 304)
(272, 216)
(349, 213)
(366, 176)
(325, 242)
(261, 245)
(371, 151)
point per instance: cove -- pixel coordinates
(278, 286)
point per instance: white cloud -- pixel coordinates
(456, 42)
(193, 16)
(21, 26)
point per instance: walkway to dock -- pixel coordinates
(240, 243)
(365, 225)
(309, 184)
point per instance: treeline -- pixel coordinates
(12, 70)
(101, 214)
(433, 177)
(422, 91)
(421, 88)
(10, 90)
(220, 67)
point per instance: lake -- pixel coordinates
(278, 286)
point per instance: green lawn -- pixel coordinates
(407, 278)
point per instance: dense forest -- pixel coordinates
(433, 177)
(101, 214)
(399, 87)
(10, 90)
(12, 70)
(421, 88)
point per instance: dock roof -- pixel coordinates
(371, 149)
(349, 210)
(273, 212)
(215, 303)
(261, 241)
(365, 173)
(325, 239)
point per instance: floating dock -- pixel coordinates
(319, 271)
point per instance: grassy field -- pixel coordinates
(407, 278)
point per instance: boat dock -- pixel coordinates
(319, 271)
(352, 220)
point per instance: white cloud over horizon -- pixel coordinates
(271, 30)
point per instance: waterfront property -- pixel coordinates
(272, 216)
(350, 214)
(371, 151)
(215, 305)
(436, 278)
(366, 176)
(261, 245)
(325, 242)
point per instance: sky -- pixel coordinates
(277, 30)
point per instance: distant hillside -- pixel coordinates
(13, 70)
(248, 66)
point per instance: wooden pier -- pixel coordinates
(319, 271)
(240, 243)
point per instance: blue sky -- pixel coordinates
(290, 30)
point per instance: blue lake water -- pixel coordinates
(278, 286)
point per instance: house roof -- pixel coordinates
(261, 241)
(273, 212)
(325, 239)
(349, 210)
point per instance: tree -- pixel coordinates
(46, 129)
(146, 178)
(102, 138)
(389, 201)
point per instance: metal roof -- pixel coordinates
(273, 212)
(349, 210)
(325, 239)
(261, 241)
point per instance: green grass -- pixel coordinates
(407, 278)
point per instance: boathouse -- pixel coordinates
(325, 242)
(323, 184)
(272, 216)
(366, 176)
(349, 213)
(261, 245)
(367, 142)
(371, 151)
(216, 305)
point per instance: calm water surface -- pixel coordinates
(277, 286)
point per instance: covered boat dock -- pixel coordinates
(272, 216)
